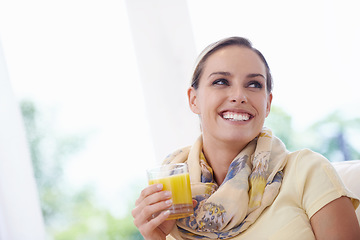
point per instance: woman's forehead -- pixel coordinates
(234, 57)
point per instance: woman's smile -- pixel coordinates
(236, 116)
(231, 99)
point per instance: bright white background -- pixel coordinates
(76, 58)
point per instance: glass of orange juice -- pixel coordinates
(175, 178)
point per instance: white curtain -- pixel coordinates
(20, 214)
(165, 51)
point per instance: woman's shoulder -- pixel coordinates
(310, 169)
(315, 179)
(306, 165)
(306, 158)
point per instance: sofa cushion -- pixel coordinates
(349, 172)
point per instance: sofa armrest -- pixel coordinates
(349, 172)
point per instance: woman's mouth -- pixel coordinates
(235, 116)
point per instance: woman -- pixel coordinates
(246, 184)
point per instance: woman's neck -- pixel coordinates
(220, 156)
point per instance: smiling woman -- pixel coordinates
(76, 59)
(240, 158)
(232, 83)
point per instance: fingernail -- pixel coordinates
(167, 212)
(159, 186)
(167, 193)
(168, 202)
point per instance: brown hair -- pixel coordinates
(208, 51)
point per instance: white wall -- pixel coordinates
(165, 50)
(20, 214)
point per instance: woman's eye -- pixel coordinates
(221, 82)
(255, 84)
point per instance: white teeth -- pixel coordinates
(236, 116)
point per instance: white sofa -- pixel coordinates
(349, 172)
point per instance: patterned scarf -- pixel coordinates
(251, 184)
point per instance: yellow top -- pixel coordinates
(310, 182)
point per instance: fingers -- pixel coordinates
(151, 207)
(151, 201)
(148, 191)
(149, 228)
(151, 212)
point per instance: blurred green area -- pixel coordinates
(335, 136)
(76, 214)
(68, 214)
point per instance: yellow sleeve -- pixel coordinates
(318, 182)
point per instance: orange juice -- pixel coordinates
(179, 186)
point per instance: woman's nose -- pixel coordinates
(238, 96)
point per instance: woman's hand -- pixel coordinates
(153, 200)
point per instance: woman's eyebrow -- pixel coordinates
(251, 75)
(220, 73)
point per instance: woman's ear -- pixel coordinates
(192, 97)
(268, 105)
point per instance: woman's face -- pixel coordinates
(231, 100)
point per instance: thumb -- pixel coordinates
(194, 203)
